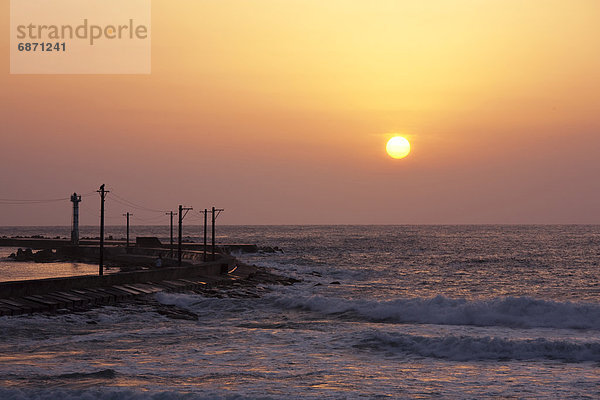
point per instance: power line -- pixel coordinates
(130, 203)
(32, 201)
(124, 203)
(153, 219)
(39, 201)
(85, 208)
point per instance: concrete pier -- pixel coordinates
(84, 298)
(78, 292)
(46, 243)
(49, 295)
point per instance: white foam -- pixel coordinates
(468, 348)
(183, 300)
(522, 312)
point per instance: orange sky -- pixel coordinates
(278, 111)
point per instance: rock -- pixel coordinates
(46, 255)
(23, 255)
(175, 312)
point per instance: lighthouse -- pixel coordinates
(75, 199)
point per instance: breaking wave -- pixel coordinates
(103, 374)
(467, 348)
(521, 312)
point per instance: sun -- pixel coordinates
(398, 147)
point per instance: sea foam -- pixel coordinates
(521, 312)
(468, 348)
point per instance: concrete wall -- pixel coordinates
(42, 286)
(37, 243)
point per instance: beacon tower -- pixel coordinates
(75, 199)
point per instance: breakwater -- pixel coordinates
(48, 295)
(42, 286)
(138, 272)
(48, 243)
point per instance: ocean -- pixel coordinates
(456, 312)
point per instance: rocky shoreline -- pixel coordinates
(252, 286)
(243, 281)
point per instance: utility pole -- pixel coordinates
(127, 215)
(181, 217)
(102, 198)
(215, 214)
(205, 212)
(171, 213)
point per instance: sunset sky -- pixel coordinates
(279, 112)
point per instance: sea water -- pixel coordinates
(380, 312)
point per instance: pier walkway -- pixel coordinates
(82, 292)
(88, 297)
(47, 243)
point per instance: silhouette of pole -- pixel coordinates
(102, 198)
(204, 258)
(171, 246)
(213, 234)
(215, 214)
(180, 232)
(181, 217)
(127, 215)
